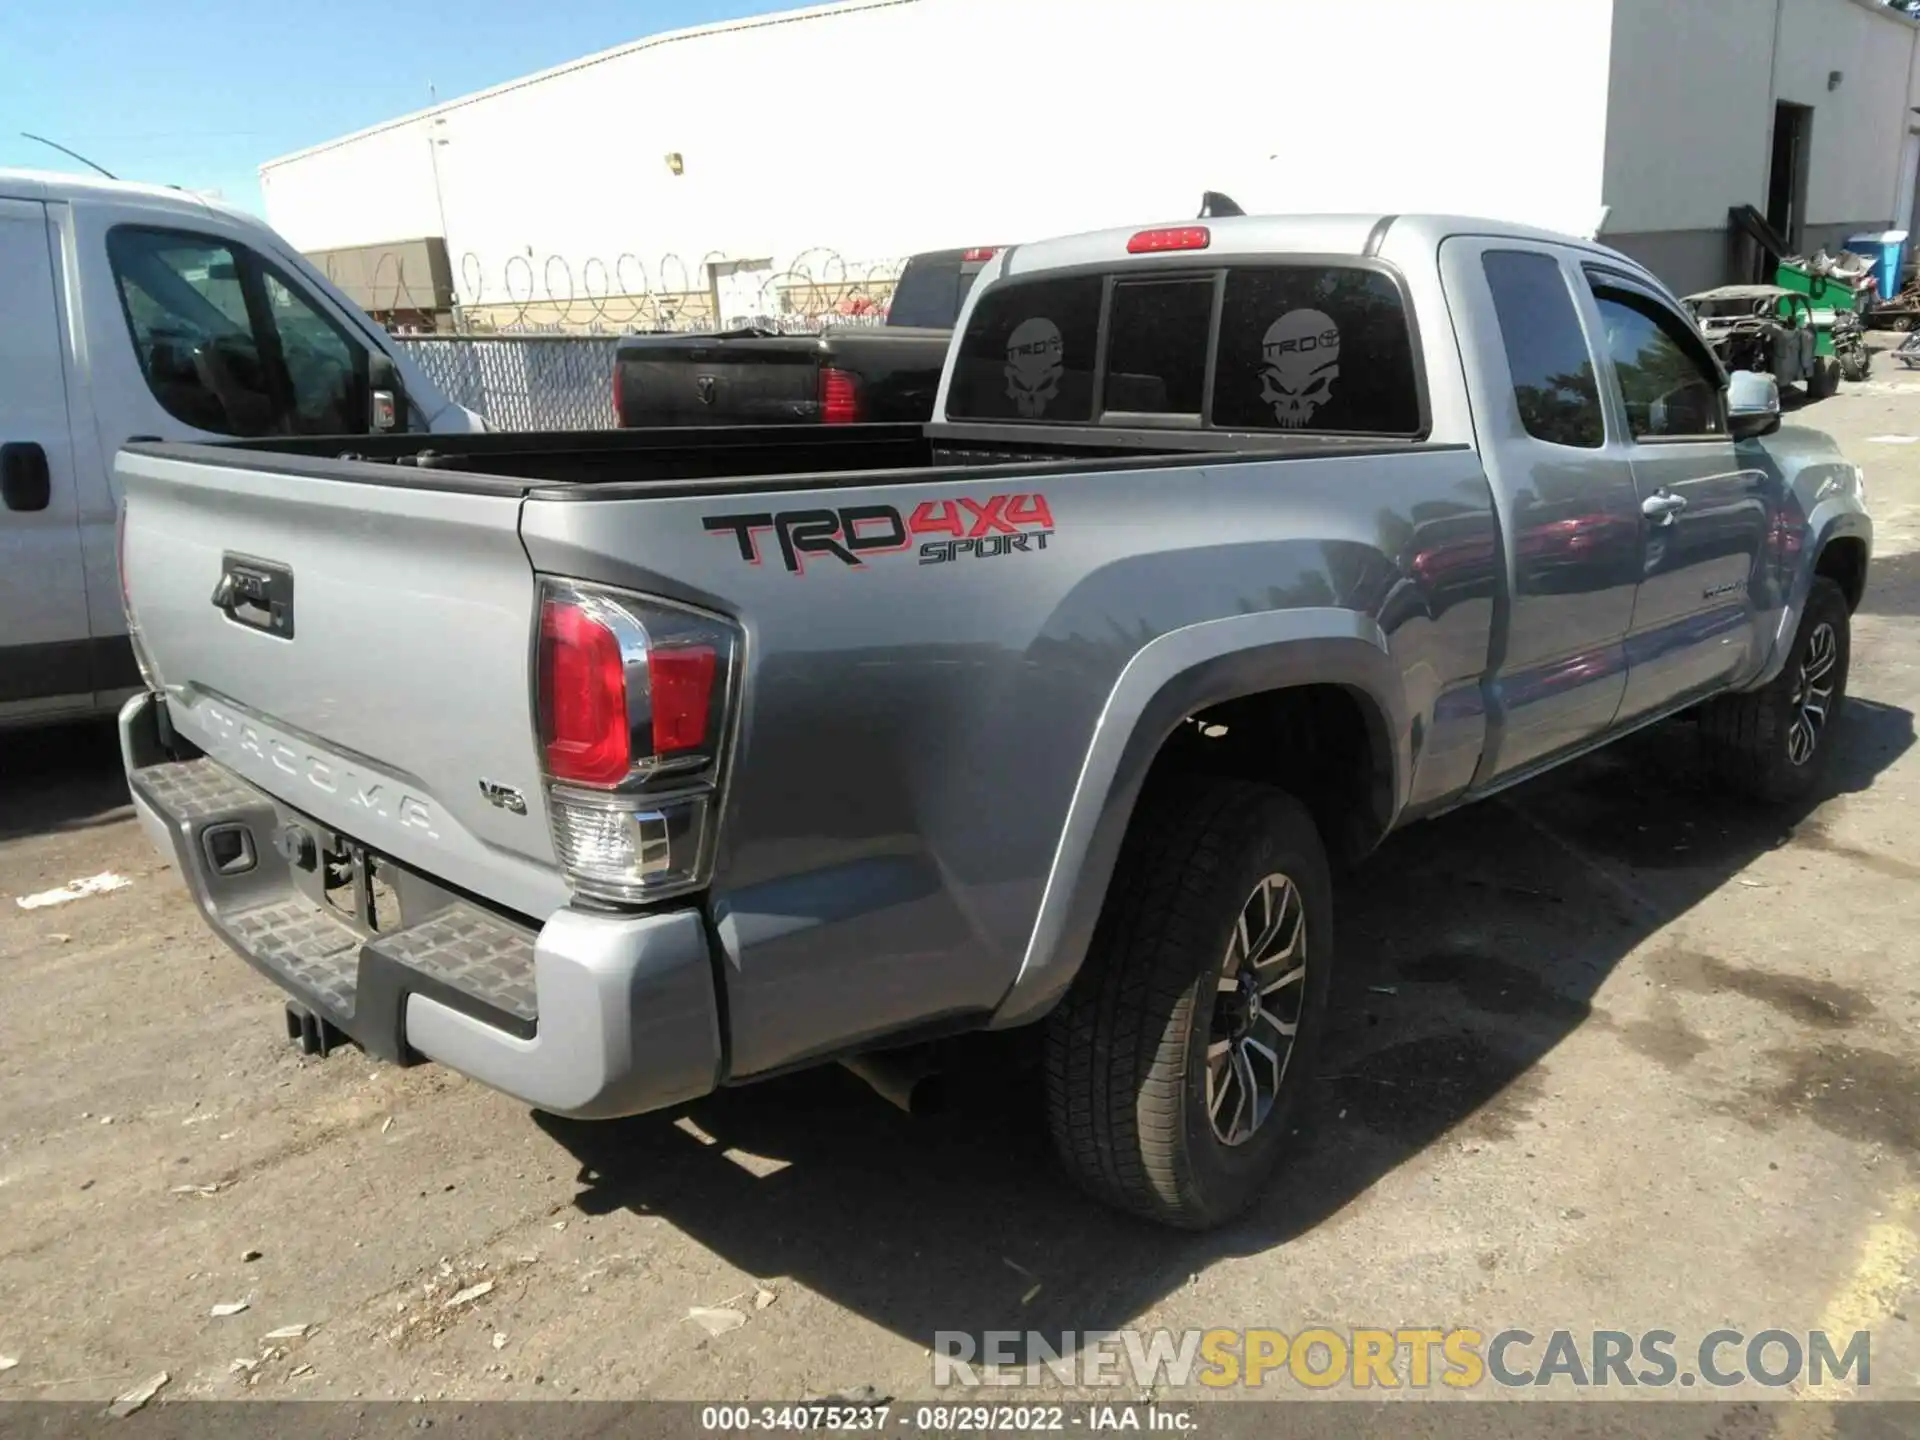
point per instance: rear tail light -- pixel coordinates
(619, 414)
(635, 700)
(839, 397)
(978, 253)
(1177, 237)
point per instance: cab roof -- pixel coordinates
(1239, 235)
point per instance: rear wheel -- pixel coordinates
(1178, 1059)
(1771, 744)
(1825, 379)
(1856, 363)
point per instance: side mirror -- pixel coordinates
(1753, 405)
(387, 396)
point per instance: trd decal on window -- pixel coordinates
(1036, 356)
(1301, 351)
(958, 529)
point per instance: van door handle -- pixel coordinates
(1662, 506)
(24, 481)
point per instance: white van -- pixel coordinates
(135, 310)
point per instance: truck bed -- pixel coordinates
(738, 458)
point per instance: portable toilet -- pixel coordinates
(1886, 249)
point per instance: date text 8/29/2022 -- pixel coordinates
(879, 1417)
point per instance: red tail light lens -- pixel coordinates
(630, 689)
(978, 253)
(583, 697)
(682, 684)
(619, 415)
(1178, 237)
(635, 699)
(839, 397)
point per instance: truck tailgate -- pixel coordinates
(361, 651)
(742, 380)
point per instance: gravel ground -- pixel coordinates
(1612, 1052)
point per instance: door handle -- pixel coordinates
(1662, 506)
(24, 481)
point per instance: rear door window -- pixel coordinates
(1157, 347)
(1029, 352)
(1315, 348)
(1552, 373)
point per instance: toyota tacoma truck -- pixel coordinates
(847, 374)
(610, 769)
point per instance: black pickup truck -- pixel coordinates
(846, 374)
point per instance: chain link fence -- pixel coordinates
(418, 287)
(535, 349)
(522, 382)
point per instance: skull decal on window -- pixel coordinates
(1301, 351)
(1035, 358)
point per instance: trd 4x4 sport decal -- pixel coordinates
(965, 530)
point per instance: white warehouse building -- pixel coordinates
(832, 141)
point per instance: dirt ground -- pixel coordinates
(1611, 1052)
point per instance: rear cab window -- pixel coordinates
(1029, 351)
(1323, 347)
(932, 289)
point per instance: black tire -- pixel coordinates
(1127, 1051)
(1856, 364)
(1750, 742)
(1825, 379)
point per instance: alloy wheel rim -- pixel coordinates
(1256, 1012)
(1813, 693)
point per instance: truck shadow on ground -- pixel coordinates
(65, 777)
(1470, 947)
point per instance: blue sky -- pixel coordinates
(199, 94)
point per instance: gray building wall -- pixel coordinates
(1690, 111)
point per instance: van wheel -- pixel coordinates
(1771, 744)
(1177, 1060)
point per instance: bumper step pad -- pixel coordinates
(313, 952)
(472, 952)
(461, 955)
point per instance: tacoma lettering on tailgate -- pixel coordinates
(241, 739)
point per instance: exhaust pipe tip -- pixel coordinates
(906, 1079)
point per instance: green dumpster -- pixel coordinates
(1836, 305)
(1825, 291)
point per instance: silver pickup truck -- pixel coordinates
(609, 769)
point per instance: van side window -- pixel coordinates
(185, 301)
(230, 345)
(1157, 346)
(1324, 349)
(1028, 353)
(1669, 390)
(1553, 380)
(326, 372)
